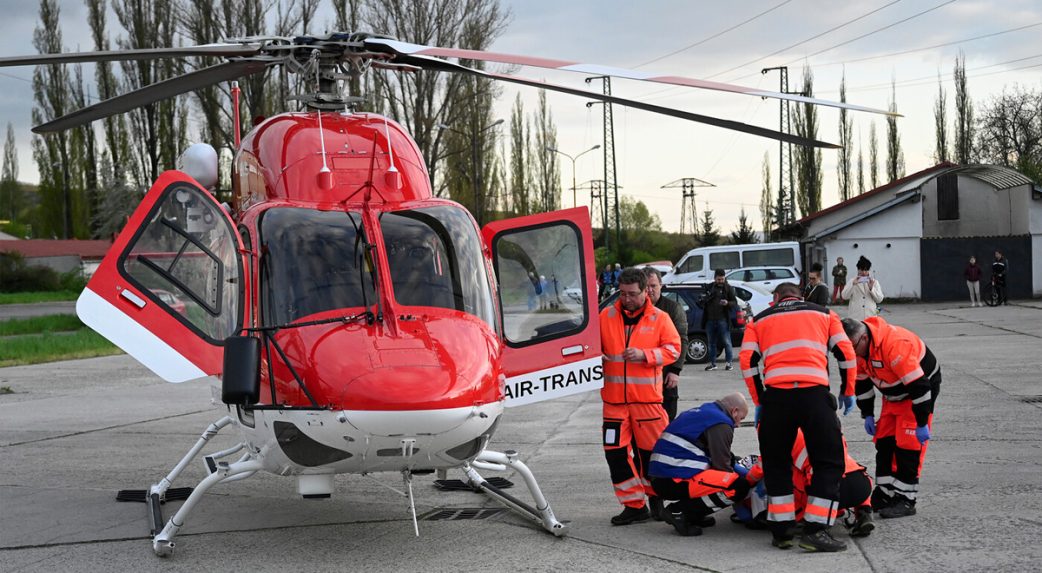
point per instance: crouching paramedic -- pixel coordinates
(907, 374)
(693, 464)
(637, 340)
(855, 489)
(792, 339)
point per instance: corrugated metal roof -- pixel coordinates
(997, 176)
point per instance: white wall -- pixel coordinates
(891, 241)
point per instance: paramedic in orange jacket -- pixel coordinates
(907, 374)
(637, 340)
(792, 339)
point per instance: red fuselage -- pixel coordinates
(417, 357)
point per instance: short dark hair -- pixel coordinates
(718, 273)
(648, 271)
(787, 289)
(633, 275)
(816, 268)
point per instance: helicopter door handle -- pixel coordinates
(133, 298)
(570, 350)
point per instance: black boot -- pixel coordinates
(631, 515)
(900, 508)
(819, 539)
(680, 523)
(655, 507)
(863, 522)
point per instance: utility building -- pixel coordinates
(919, 231)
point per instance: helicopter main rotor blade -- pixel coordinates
(406, 49)
(446, 66)
(217, 50)
(158, 91)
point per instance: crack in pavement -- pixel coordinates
(71, 434)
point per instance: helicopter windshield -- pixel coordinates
(310, 262)
(434, 255)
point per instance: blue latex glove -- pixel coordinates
(870, 425)
(922, 433)
(756, 415)
(848, 404)
(741, 470)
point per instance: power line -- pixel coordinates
(876, 31)
(787, 48)
(717, 35)
(939, 77)
(956, 42)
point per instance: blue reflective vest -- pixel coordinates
(675, 454)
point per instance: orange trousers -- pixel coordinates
(629, 434)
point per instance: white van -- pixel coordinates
(697, 265)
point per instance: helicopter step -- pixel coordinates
(460, 485)
(541, 513)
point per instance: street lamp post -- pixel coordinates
(555, 150)
(476, 177)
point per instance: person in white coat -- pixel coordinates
(864, 292)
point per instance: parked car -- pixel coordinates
(766, 277)
(698, 345)
(664, 267)
(756, 298)
(697, 265)
(171, 300)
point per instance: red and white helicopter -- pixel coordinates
(357, 323)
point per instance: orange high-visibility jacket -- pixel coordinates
(654, 333)
(793, 338)
(802, 472)
(900, 365)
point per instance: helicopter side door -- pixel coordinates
(170, 289)
(544, 267)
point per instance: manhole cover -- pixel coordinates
(460, 513)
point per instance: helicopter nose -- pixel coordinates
(436, 364)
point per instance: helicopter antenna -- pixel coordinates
(392, 177)
(325, 176)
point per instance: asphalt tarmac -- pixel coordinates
(73, 433)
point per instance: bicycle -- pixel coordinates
(989, 294)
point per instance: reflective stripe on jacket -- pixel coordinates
(654, 334)
(675, 454)
(900, 365)
(792, 339)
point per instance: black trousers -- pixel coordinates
(669, 401)
(813, 410)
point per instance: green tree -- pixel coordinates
(895, 158)
(873, 156)
(766, 199)
(10, 189)
(744, 233)
(708, 234)
(940, 117)
(520, 203)
(846, 136)
(807, 159)
(860, 171)
(964, 125)
(546, 176)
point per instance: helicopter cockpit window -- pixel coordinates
(541, 283)
(434, 255)
(185, 257)
(312, 261)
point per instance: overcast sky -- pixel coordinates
(652, 150)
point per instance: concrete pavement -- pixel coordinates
(75, 432)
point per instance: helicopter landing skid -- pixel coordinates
(502, 461)
(163, 535)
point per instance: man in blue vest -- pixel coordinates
(693, 464)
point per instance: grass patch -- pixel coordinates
(48, 347)
(40, 324)
(40, 296)
(6, 390)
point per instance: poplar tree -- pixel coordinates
(895, 158)
(766, 199)
(846, 136)
(964, 126)
(940, 116)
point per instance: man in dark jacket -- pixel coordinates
(999, 268)
(670, 373)
(718, 300)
